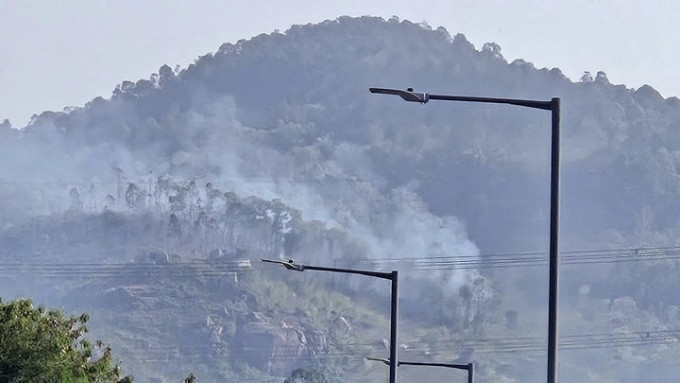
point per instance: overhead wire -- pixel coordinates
(535, 259)
(219, 268)
(500, 345)
(490, 345)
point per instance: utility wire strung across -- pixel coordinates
(532, 259)
(500, 345)
(220, 268)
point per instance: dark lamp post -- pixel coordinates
(554, 107)
(470, 367)
(392, 277)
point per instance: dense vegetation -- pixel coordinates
(47, 346)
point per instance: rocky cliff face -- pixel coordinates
(273, 347)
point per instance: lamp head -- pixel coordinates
(407, 95)
(289, 264)
(386, 361)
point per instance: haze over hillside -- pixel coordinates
(284, 122)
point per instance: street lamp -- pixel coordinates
(554, 107)
(393, 277)
(470, 367)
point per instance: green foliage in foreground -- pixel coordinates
(47, 346)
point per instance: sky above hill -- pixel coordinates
(60, 54)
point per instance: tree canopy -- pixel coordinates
(43, 346)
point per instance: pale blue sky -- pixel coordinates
(55, 54)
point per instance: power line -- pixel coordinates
(500, 345)
(532, 259)
(125, 270)
(221, 268)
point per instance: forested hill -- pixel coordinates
(282, 128)
(294, 109)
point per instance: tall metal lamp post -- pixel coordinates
(554, 107)
(392, 277)
(470, 367)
